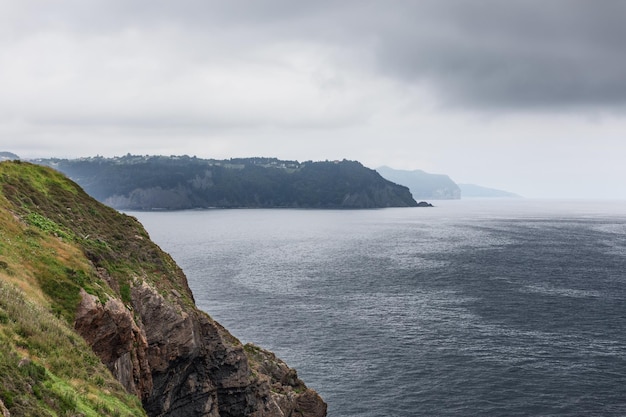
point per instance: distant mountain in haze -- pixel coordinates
(422, 184)
(476, 191)
(8, 156)
(182, 182)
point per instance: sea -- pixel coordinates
(510, 307)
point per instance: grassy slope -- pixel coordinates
(49, 232)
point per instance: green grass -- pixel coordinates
(47, 369)
(53, 211)
(54, 241)
(47, 225)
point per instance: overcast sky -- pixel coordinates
(527, 96)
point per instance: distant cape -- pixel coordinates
(423, 185)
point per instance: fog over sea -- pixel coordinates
(471, 308)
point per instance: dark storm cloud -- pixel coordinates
(478, 53)
(512, 54)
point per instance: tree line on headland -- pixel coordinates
(182, 182)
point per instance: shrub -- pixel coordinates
(47, 225)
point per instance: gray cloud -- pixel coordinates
(523, 54)
(526, 54)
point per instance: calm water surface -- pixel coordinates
(493, 308)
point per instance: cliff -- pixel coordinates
(109, 314)
(422, 184)
(182, 182)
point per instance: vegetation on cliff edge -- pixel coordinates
(116, 247)
(45, 367)
(56, 242)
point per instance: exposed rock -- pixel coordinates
(3, 410)
(182, 385)
(288, 391)
(120, 343)
(183, 363)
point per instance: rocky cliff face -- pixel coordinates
(183, 363)
(111, 331)
(132, 305)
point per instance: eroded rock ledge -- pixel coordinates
(180, 362)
